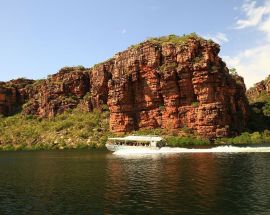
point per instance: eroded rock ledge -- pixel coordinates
(170, 82)
(260, 91)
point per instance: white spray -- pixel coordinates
(219, 149)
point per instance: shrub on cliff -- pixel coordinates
(195, 104)
(266, 109)
(172, 38)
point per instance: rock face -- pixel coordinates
(13, 95)
(170, 82)
(259, 91)
(171, 86)
(69, 88)
(58, 93)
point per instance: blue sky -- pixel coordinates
(38, 37)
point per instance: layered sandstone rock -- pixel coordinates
(170, 82)
(13, 95)
(60, 92)
(176, 85)
(69, 88)
(259, 91)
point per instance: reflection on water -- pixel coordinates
(188, 184)
(87, 182)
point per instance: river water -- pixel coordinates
(99, 182)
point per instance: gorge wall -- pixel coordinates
(12, 95)
(169, 82)
(260, 91)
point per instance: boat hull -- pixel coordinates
(114, 148)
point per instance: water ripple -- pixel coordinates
(82, 182)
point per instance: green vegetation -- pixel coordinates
(233, 72)
(104, 107)
(76, 129)
(161, 107)
(262, 98)
(72, 129)
(102, 63)
(259, 119)
(176, 141)
(172, 38)
(87, 96)
(71, 69)
(156, 131)
(168, 67)
(180, 40)
(195, 104)
(266, 109)
(247, 138)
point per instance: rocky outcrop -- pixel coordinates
(60, 92)
(260, 91)
(171, 86)
(170, 82)
(13, 95)
(69, 88)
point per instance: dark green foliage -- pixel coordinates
(157, 131)
(266, 109)
(259, 119)
(161, 107)
(195, 104)
(210, 41)
(233, 72)
(247, 138)
(176, 141)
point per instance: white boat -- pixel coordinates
(135, 142)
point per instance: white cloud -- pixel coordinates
(253, 14)
(265, 27)
(123, 31)
(219, 37)
(254, 63)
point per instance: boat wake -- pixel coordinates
(168, 150)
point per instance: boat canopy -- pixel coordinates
(138, 138)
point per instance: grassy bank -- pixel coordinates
(247, 138)
(83, 130)
(73, 129)
(185, 137)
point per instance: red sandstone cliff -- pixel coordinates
(13, 95)
(170, 82)
(260, 91)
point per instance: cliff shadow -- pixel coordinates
(259, 119)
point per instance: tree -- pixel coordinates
(233, 71)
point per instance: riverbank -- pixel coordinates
(89, 130)
(71, 130)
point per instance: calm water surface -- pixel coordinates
(98, 182)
